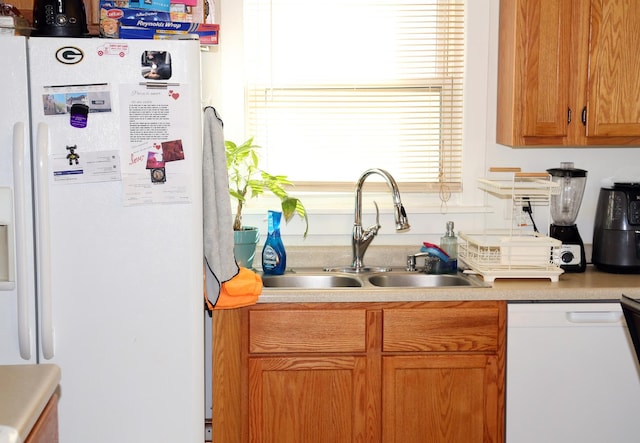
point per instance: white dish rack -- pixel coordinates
(505, 255)
(514, 252)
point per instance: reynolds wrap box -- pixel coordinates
(205, 33)
(118, 22)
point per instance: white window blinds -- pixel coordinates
(335, 87)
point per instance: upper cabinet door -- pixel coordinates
(546, 32)
(534, 72)
(569, 73)
(613, 107)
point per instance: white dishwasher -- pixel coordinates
(572, 374)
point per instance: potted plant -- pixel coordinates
(246, 181)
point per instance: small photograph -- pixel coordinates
(158, 175)
(99, 101)
(54, 104)
(156, 65)
(154, 160)
(172, 151)
(78, 98)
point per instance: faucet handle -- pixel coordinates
(374, 229)
(430, 262)
(411, 263)
(377, 213)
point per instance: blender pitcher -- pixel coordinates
(564, 211)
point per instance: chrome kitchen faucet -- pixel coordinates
(362, 238)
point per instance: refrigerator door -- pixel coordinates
(17, 274)
(119, 247)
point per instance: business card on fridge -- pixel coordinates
(77, 167)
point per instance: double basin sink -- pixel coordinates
(320, 279)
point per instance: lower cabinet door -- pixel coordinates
(310, 399)
(440, 399)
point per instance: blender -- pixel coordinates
(564, 210)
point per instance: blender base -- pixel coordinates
(572, 255)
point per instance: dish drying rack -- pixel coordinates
(514, 252)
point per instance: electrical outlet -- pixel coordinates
(526, 214)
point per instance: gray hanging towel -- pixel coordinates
(220, 264)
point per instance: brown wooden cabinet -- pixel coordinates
(25, 7)
(360, 372)
(307, 375)
(307, 399)
(442, 373)
(568, 73)
(45, 430)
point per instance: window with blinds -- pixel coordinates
(335, 87)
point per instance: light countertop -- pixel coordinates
(25, 389)
(592, 285)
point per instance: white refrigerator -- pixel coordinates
(101, 231)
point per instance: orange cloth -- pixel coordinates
(242, 290)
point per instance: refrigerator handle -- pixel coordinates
(24, 327)
(44, 241)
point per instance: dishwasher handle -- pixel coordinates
(594, 317)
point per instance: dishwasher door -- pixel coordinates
(572, 375)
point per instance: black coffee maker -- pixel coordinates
(59, 18)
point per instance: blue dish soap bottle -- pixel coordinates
(274, 257)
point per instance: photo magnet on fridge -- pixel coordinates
(158, 175)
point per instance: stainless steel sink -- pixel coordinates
(310, 281)
(417, 280)
(319, 279)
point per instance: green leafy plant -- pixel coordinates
(247, 180)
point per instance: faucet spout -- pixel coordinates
(362, 238)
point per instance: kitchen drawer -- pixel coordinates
(301, 331)
(441, 329)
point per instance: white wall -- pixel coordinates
(331, 217)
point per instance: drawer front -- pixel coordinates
(300, 331)
(440, 330)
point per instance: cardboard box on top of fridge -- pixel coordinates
(204, 10)
(185, 2)
(121, 22)
(151, 5)
(205, 33)
(181, 13)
